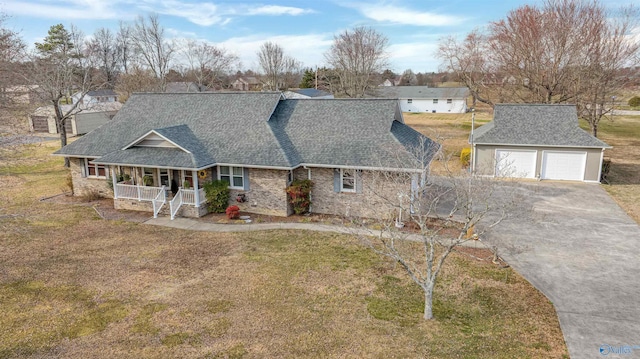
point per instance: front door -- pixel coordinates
(175, 181)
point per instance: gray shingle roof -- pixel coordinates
(536, 125)
(152, 157)
(232, 127)
(311, 92)
(425, 92)
(102, 92)
(251, 129)
(355, 133)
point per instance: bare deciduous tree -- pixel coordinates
(356, 57)
(60, 68)
(137, 80)
(105, 53)
(280, 71)
(565, 51)
(123, 41)
(151, 45)
(207, 63)
(444, 212)
(470, 62)
(11, 55)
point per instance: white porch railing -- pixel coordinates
(158, 197)
(176, 203)
(159, 201)
(189, 196)
(141, 193)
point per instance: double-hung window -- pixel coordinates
(347, 180)
(435, 101)
(96, 170)
(449, 101)
(234, 176)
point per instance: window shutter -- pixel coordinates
(336, 180)
(358, 176)
(245, 178)
(83, 168)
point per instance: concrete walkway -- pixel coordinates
(583, 252)
(197, 225)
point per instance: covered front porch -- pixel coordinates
(159, 189)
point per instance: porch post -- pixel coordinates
(196, 191)
(114, 180)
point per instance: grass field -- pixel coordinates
(623, 133)
(75, 286)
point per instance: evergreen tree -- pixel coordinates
(308, 79)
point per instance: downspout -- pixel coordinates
(473, 146)
(600, 169)
(310, 193)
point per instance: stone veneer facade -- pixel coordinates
(377, 199)
(83, 186)
(267, 196)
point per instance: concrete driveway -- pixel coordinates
(583, 252)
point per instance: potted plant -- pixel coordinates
(147, 180)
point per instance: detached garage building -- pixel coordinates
(428, 99)
(537, 141)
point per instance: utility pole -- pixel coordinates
(473, 160)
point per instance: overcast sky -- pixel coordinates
(305, 29)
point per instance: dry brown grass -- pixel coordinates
(623, 133)
(450, 130)
(75, 286)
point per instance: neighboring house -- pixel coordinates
(428, 99)
(177, 87)
(308, 94)
(86, 119)
(256, 141)
(247, 84)
(537, 141)
(392, 82)
(95, 96)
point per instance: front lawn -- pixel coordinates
(75, 286)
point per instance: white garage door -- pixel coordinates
(516, 163)
(560, 165)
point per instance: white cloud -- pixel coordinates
(73, 9)
(278, 10)
(208, 13)
(418, 56)
(200, 13)
(204, 14)
(404, 16)
(309, 49)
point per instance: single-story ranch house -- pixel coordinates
(537, 141)
(164, 146)
(428, 99)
